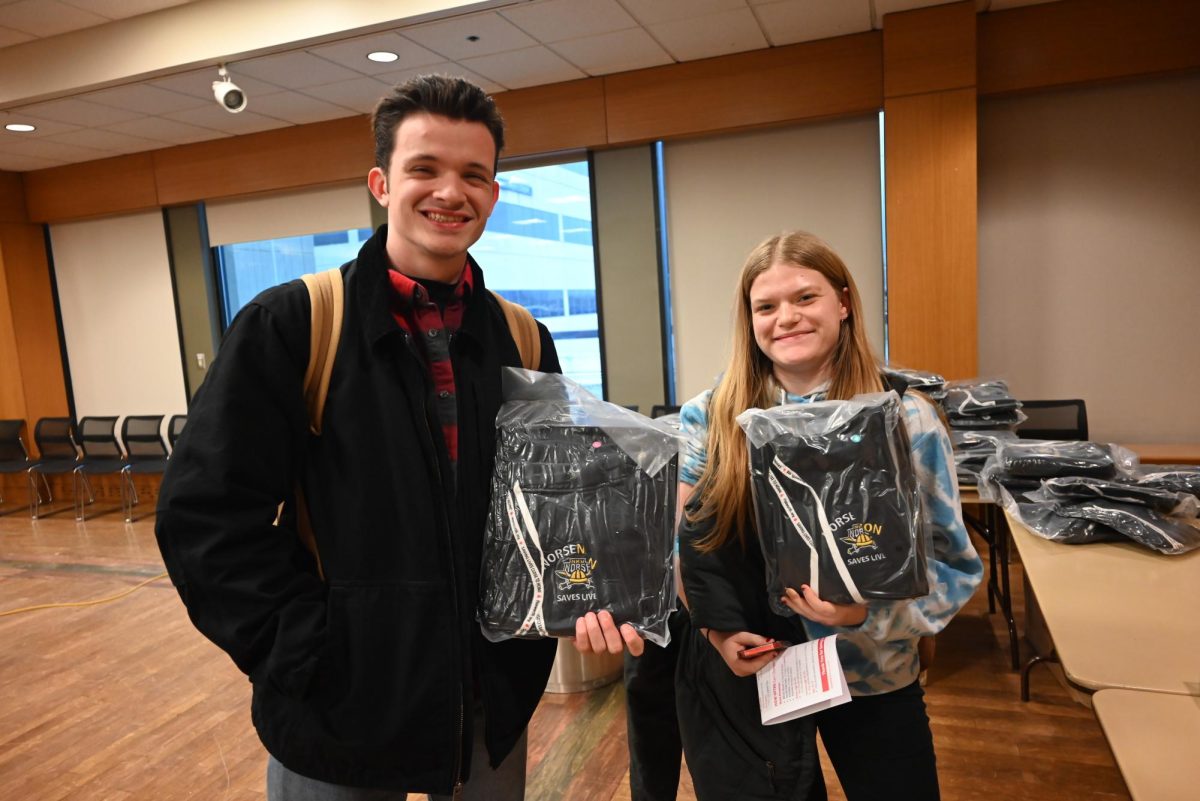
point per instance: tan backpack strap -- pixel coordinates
(326, 296)
(524, 330)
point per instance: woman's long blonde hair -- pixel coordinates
(724, 486)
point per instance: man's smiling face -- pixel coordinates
(439, 190)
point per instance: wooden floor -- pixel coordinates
(124, 700)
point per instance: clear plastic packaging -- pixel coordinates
(836, 500)
(931, 384)
(1171, 477)
(1046, 458)
(1122, 490)
(582, 514)
(1167, 535)
(980, 403)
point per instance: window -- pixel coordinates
(537, 251)
(248, 268)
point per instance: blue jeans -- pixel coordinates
(505, 783)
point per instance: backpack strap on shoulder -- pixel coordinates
(326, 294)
(524, 330)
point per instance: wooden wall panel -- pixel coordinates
(929, 49)
(12, 397)
(561, 116)
(35, 323)
(285, 158)
(931, 231)
(91, 189)
(12, 198)
(826, 78)
(1079, 41)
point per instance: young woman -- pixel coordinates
(798, 338)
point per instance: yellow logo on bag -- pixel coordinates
(576, 570)
(861, 536)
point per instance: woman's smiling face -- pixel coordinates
(797, 317)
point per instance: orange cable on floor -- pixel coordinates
(109, 599)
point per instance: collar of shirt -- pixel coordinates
(408, 295)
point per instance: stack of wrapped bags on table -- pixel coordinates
(981, 404)
(582, 514)
(972, 449)
(931, 385)
(1082, 492)
(836, 500)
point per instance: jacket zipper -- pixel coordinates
(458, 780)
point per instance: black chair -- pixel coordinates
(662, 409)
(102, 454)
(14, 456)
(58, 454)
(175, 428)
(145, 453)
(1054, 419)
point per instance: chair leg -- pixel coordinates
(82, 479)
(129, 497)
(1033, 660)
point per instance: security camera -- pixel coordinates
(228, 94)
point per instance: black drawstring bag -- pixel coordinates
(836, 499)
(582, 515)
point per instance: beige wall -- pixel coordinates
(726, 194)
(118, 311)
(1089, 252)
(629, 281)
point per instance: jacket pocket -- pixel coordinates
(395, 666)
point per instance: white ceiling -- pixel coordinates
(510, 45)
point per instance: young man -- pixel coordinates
(371, 678)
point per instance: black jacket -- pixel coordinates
(369, 678)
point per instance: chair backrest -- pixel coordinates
(55, 438)
(98, 437)
(175, 428)
(141, 435)
(1054, 419)
(661, 409)
(12, 447)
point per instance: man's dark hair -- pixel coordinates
(454, 98)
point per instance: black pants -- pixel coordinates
(881, 746)
(654, 747)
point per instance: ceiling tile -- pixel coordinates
(619, 51)
(445, 68)
(792, 21)
(1001, 5)
(218, 119)
(8, 36)
(713, 35)
(16, 163)
(533, 66)
(649, 12)
(295, 70)
(59, 151)
(892, 6)
(353, 53)
(556, 20)
(80, 112)
(45, 127)
(198, 83)
(166, 131)
(144, 99)
(449, 38)
(110, 141)
(299, 109)
(120, 9)
(360, 94)
(46, 17)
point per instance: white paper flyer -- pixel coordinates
(804, 679)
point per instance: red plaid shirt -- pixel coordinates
(431, 326)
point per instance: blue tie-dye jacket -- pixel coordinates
(880, 655)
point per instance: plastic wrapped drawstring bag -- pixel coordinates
(836, 500)
(582, 513)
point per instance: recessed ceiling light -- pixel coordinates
(20, 127)
(383, 56)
